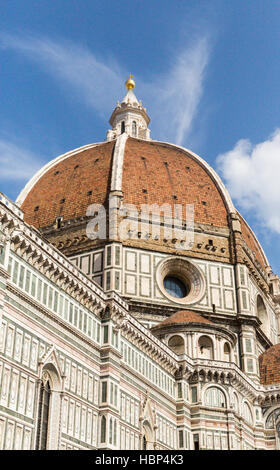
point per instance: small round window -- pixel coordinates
(175, 287)
(180, 281)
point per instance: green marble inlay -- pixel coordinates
(76, 441)
(17, 415)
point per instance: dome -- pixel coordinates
(142, 172)
(189, 322)
(153, 173)
(269, 362)
(184, 316)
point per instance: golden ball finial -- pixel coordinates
(130, 84)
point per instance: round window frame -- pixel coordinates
(188, 273)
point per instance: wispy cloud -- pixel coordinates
(252, 175)
(172, 99)
(96, 82)
(177, 94)
(16, 163)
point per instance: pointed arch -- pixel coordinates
(148, 425)
(148, 436)
(103, 426)
(49, 402)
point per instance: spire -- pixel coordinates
(130, 97)
(129, 116)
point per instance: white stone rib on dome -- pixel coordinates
(118, 158)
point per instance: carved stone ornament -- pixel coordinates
(45, 377)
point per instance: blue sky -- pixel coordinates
(207, 71)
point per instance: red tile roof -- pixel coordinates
(152, 174)
(70, 180)
(185, 316)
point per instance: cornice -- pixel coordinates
(255, 269)
(28, 245)
(143, 339)
(43, 310)
(224, 373)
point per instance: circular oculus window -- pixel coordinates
(180, 281)
(175, 287)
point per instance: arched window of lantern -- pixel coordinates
(205, 348)
(227, 351)
(177, 344)
(134, 129)
(214, 397)
(122, 127)
(262, 315)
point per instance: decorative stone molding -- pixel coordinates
(190, 274)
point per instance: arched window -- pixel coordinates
(177, 344)
(43, 414)
(262, 315)
(148, 436)
(49, 405)
(144, 443)
(103, 430)
(205, 347)
(247, 414)
(122, 127)
(215, 397)
(227, 352)
(235, 403)
(111, 431)
(273, 418)
(115, 433)
(134, 129)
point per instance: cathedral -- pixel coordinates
(137, 308)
